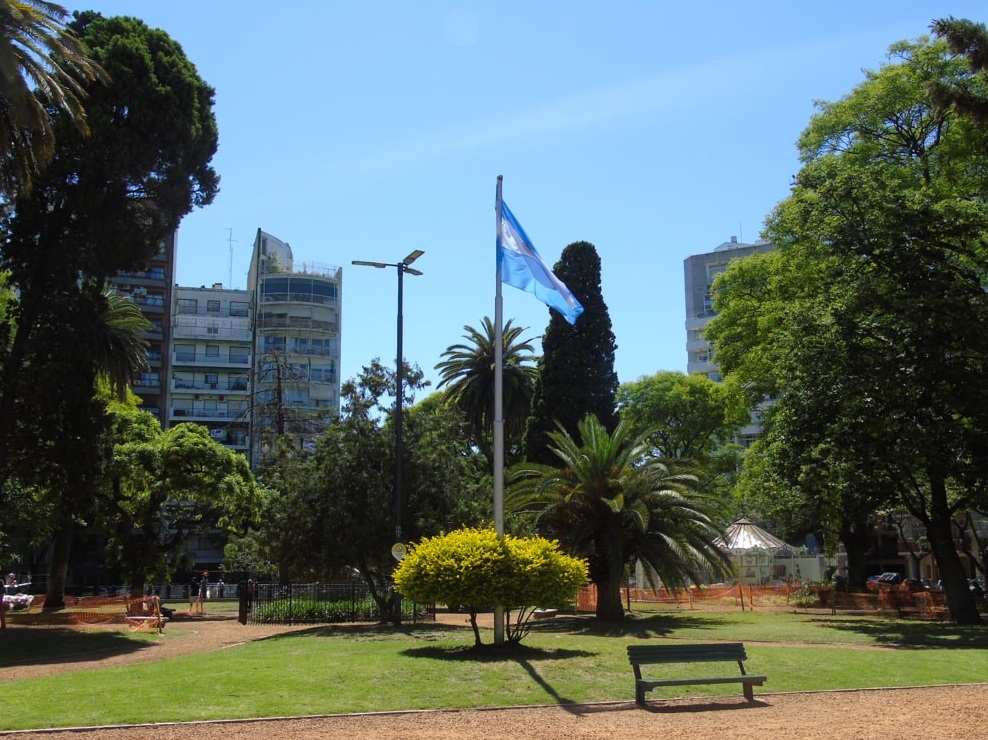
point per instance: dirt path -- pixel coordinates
(951, 713)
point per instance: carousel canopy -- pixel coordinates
(744, 535)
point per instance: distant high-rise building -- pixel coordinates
(297, 313)
(211, 362)
(699, 271)
(150, 289)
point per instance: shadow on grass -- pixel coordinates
(633, 626)
(524, 655)
(426, 631)
(56, 645)
(902, 633)
(512, 652)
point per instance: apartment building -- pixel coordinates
(150, 289)
(211, 362)
(297, 311)
(699, 271)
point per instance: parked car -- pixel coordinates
(885, 580)
(976, 588)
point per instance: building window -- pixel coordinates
(187, 306)
(212, 306)
(212, 380)
(325, 347)
(185, 353)
(213, 330)
(238, 308)
(212, 350)
(237, 382)
(323, 373)
(239, 356)
(274, 344)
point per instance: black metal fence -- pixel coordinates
(318, 603)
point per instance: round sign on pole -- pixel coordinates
(398, 550)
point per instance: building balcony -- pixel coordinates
(153, 275)
(210, 334)
(183, 360)
(299, 322)
(221, 386)
(208, 414)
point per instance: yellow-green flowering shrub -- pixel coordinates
(475, 569)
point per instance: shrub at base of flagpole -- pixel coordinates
(474, 569)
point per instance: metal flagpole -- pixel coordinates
(498, 419)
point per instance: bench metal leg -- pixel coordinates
(749, 692)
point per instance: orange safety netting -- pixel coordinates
(901, 602)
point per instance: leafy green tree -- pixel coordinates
(877, 320)
(162, 487)
(44, 66)
(337, 513)
(104, 203)
(468, 371)
(686, 416)
(474, 568)
(609, 500)
(576, 373)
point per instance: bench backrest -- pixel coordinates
(686, 653)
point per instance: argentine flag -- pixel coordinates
(520, 266)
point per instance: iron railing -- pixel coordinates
(318, 603)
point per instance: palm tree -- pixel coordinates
(42, 66)
(120, 350)
(611, 502)
(468, 370)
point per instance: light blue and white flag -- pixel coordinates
(520, 266)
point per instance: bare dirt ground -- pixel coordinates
(954, 713)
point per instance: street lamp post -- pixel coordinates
(402, 268)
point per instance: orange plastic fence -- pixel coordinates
(921, 603)
(85, 610)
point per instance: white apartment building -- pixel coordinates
(699, 271)
(297, 311)
(150, 289)
(211, 362)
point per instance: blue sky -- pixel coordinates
(365, 130)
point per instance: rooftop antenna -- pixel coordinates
(230, 239)
(740, 233)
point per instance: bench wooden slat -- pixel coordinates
(639, 655)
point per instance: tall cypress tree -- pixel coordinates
(576, 373)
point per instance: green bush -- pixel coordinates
(475, 569)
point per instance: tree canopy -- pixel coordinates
(871, 321)
(576, 373)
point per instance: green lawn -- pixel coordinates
(331, 670)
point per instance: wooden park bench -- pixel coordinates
(143, 615)
(639, 655)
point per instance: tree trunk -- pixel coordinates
(609, 581)
(856, 540)
(59, 567)
(477, 642)
(939, 530)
